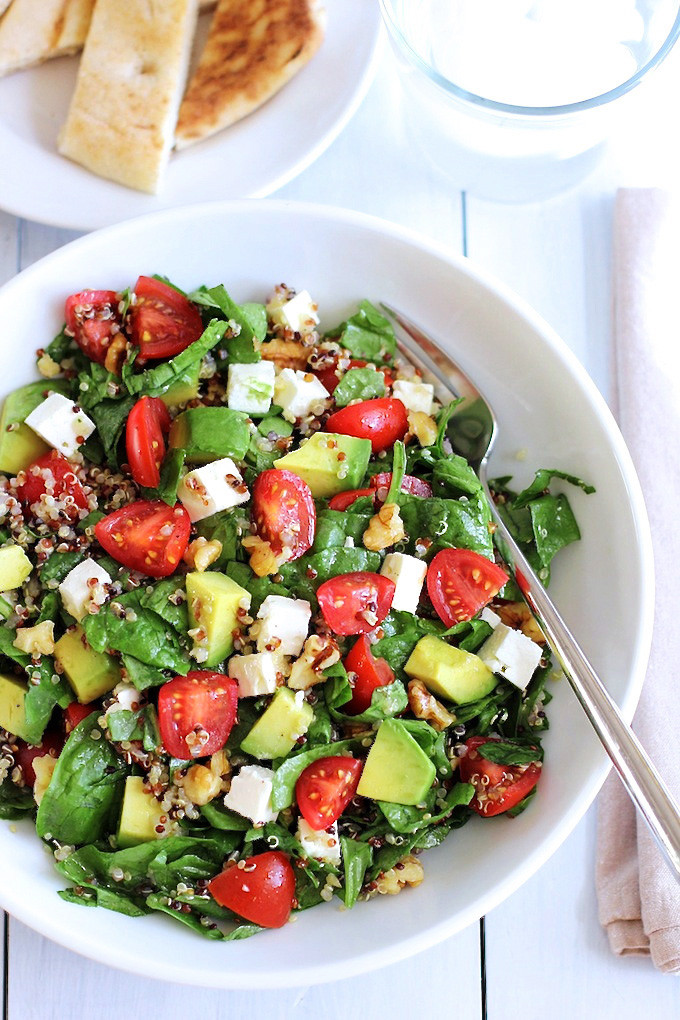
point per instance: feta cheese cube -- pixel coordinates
(61, 423)
(284, 620)
(298, 394)
(488, 615)
(213, 487)
(250, 794)
(83, 587)
(415, 396)
(511, 654)
(408, 574)
(322, 845)
(298, 313)
(250, 388)
(256, 674)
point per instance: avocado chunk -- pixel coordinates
(90, 673)
(214, 602)
(12, 714)
(21, 446)
(396, 769)
(210, 433)
(15, 567)
(140, 815)
(450, 672)
(184, 388)
(329, 463)
(276, 732)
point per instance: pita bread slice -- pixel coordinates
(253, 48)
(34, 30)
(133, 69)
(4, 4)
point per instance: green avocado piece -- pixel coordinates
(90, 673)
(214, 601)
(450, 672)
(21, 446)
(276, 732)
(12, 696)
(329, 463)
(209, 433)
(15, 567)
(184, 389)
(396, 769)
(140, 815)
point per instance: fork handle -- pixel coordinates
(637, 772)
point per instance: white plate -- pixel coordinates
(546, 405)
(249, 159)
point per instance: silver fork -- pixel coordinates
(472, 432)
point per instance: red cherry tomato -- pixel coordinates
(330, 375)
(147, 425)
(383, 421)
(325, 788)
(344, 499)
(196, 713)
(497, 787)
(52, 475)
(148, 536)
(75, 713)
(409, 483)
(460, 582)
(162, 321)
(25, 754)
(262, 891)
(92, 319)
(355, 603)
(284, 512)
(370, 673)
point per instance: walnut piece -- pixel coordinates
(320, 651)
(263, 559)
(43, 767)
(202, 784)
(384, 528)
(518, 616)
(48, 368)
(116, 355)
(285, 353)
(423, 427)
(38, 640)
(201, 553)
(425, 706)
(407, 871)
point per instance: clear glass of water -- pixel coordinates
(514, 99)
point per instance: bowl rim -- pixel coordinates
(517, 110)
(377, 957)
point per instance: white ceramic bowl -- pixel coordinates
(546, 405)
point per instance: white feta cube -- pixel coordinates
(256, 674)
(84, 587)
(284, 624)
(511, 654)
(61, 423)
(408, 574)
(415, 396)
(299, 394)
(250, 794)
(213, 487)
(488, 615)
(250, 388)
(299, 313)
(321, 844)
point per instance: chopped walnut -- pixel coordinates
(320, 652)
(48, 367)
(263, 559)
(407, 871)
(43, 766)
(201, 553)
(425, 706)
(285, 353)
(423, 427)
(203, 783)
(116, 355)
(518, 616)
(384, 528)
(38, 640)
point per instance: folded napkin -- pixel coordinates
(638, 896)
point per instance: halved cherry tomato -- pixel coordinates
(371, 672)
(460, 582)
(93, 320)
(25, 754)
(383, 421)
(409, 483)
(52, 475)
(162, 321)
(147, 425)
(284, 512)
(325, 788)
(497, 787)
(262, 891)
(196, 713)
(355, 603)
(330, 375)
(344, 499)
(147, 535)
(75, 713)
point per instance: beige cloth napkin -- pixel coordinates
(639, 897)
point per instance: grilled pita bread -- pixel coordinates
(253, 48)
(4, 4)
(34, 30)
(132, 72)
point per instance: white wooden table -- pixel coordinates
(542, 953)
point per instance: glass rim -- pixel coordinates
(532, 111)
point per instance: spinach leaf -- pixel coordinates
(141, 725)
(259, 587)
(324, 565)
(62, 345)
(220, 818)
(54, 570)
(407, 819)
(541, 483)
(110, 417)
(367, 335)
(334, 527)
(402, 633)
(141, 675)
(160, 598)
(248, 321)
(357, 857)
(386, 702)
(155, 381)
(226, 527)
(42, 697)
(503, 753)
(454, 477)
(15, 801)
(359, 384)
(459, 523)
(150, 640)
(96, 385)
(171, 472)
(554, 526)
